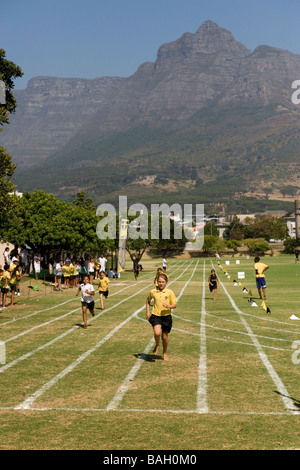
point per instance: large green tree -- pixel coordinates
(43, 222)
(8, 72)
(267, 227)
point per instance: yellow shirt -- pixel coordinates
(103, 284)
(259, 269)
(161, 296)
(5, 280)
(13, 271)
(67, 270)
(73, 270)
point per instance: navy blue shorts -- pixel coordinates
(261, 283)
(89, 305)
(104, 292)
(165, 322)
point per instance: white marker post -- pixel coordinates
(2, 352)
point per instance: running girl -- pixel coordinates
(161, 318)
(87, 301)
(103, 287)
(213, 283)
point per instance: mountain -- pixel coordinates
(209, 121)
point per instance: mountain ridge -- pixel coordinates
(165, 116)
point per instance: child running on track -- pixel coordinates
(161, 318)
(87, 302)
(158, 272)
(103, 287)
(213, 283)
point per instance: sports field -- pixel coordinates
(231, 382)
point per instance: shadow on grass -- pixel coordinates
(148, 357)
(295, 400)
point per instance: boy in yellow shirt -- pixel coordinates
(103, 287)
(261, 284)
(16, 275)
(161, 319)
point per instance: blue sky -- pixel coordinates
(95, 38)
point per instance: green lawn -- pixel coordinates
(232, 380)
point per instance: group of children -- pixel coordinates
(10, 277)
(71, 272)
(87, 295)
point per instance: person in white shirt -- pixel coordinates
(87, 301)
(6, 257)
(91, 270)
(164, 264)
(102, 262)
(37, 259)
(58, 272)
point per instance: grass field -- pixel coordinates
(232, 380)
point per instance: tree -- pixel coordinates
(235, 230)
(46, 224)
(291, 245)
(257, 245)
(266, 227)
(211, 229)
(172, 244)
(7, 168)
(8, 72)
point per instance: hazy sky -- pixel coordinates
(95, 38)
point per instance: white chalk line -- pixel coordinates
(224, 340)
(124, 387)
(153, 410)
(222, 318)
(287, 401)
(234, 331)
(26, 404)
(202, 405)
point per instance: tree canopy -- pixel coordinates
(44, 223)
(8, 72)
